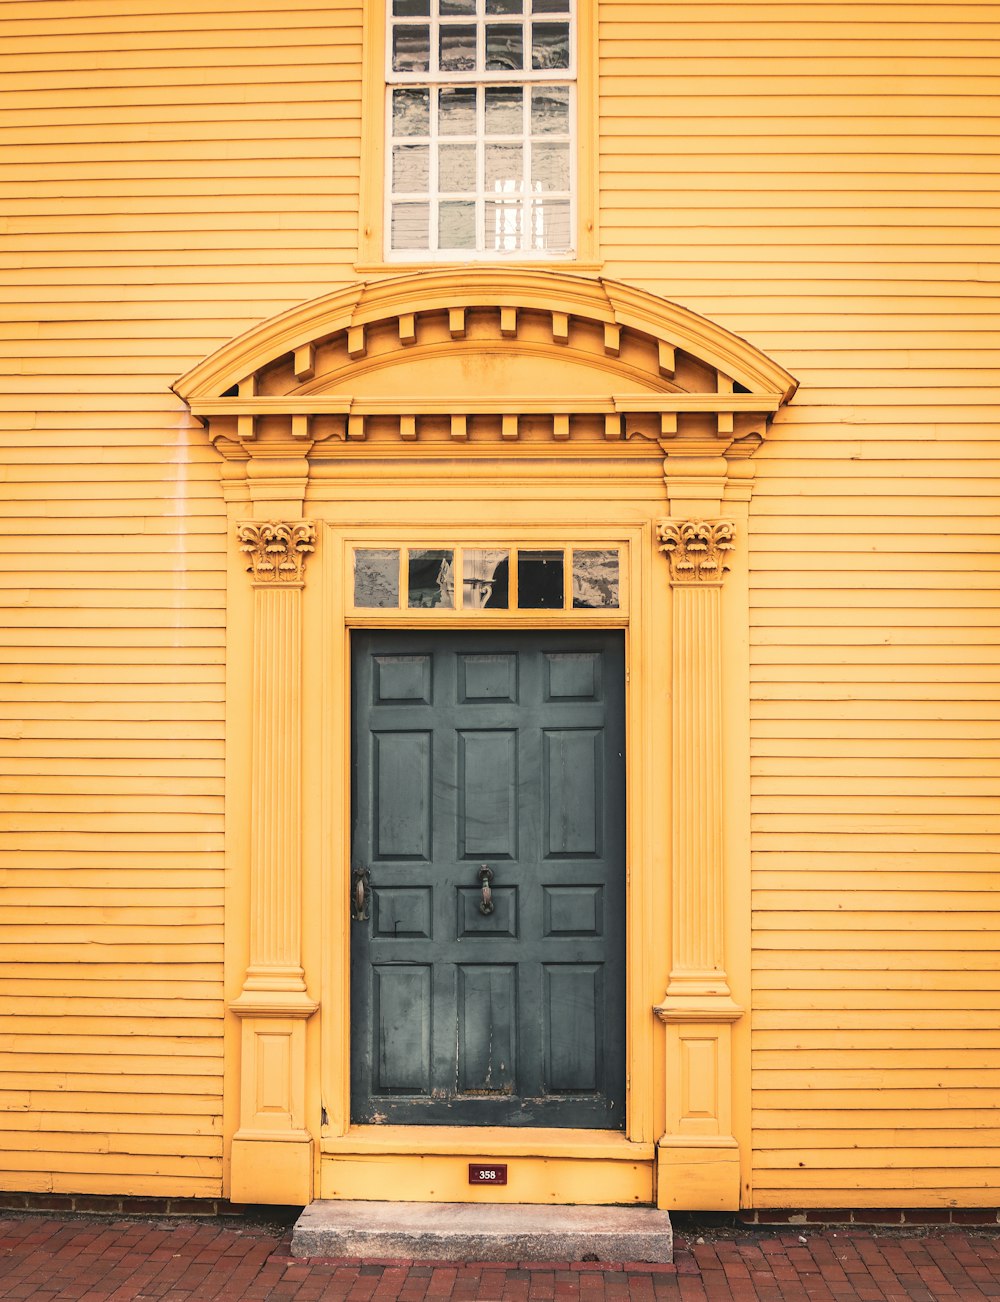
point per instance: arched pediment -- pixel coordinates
(484, 355)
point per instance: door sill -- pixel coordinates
(491, 1141)
(432, 1164)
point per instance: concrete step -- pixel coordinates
(482, 1232)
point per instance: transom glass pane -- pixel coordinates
(540, 580)
(376, 577)
(431, 578)
(485, 578)
(595, 580)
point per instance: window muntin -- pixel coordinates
(480, 128)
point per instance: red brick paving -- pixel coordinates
(70, 1259)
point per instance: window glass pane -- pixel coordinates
(432, 578)
(457, 111)
(504, 6)
(504, 111)
(411, 166)
(457, 225)
(504, 221)
(456, 168)
(595, 580)
(550, 6)
(550, 45)
(376, 577)
(449, 8)
(410, 224)
(410, 112)
(549, 226)
(549, 110)
(549, 167)
(505, 47)
(485, 578)
(540, 580)
(458, 48)
(411, 8)
(411, 47)
(504, 168)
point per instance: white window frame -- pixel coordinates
(479, 80)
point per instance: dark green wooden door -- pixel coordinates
(503, 750)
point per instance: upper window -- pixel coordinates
(480, 120)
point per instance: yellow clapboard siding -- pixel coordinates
(168, 1013)
(180, 172)
(889, 1120)
(42, 1142)
(114, 1124)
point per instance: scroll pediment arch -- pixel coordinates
(483, 355)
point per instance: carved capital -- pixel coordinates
(696, 549)
(277, 552)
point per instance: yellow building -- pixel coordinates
(466, 701)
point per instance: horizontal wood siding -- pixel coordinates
(817, 178)
(172, 173)
(822, 181)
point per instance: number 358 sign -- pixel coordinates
(487, 1173)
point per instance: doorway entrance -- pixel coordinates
(488, 857)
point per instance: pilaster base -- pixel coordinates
(701, 1176)
(278, 1171)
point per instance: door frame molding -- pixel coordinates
(627, 1156)
(607, 404)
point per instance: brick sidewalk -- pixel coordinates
(69, 1259)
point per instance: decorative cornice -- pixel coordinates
(277, 552)
(696, 549)
(608, 303)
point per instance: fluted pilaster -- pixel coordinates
(276, 555)
(698, 1157)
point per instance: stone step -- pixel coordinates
(482, 1232)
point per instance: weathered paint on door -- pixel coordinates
(505, 751)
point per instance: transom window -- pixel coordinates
(480, 120)
(487, 578)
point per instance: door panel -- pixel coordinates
(504, 750)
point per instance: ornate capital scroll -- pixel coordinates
(277, 552)
(696, 549)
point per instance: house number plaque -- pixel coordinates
(481, 1173)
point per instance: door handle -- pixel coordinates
(361, 891)
(485, 876)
